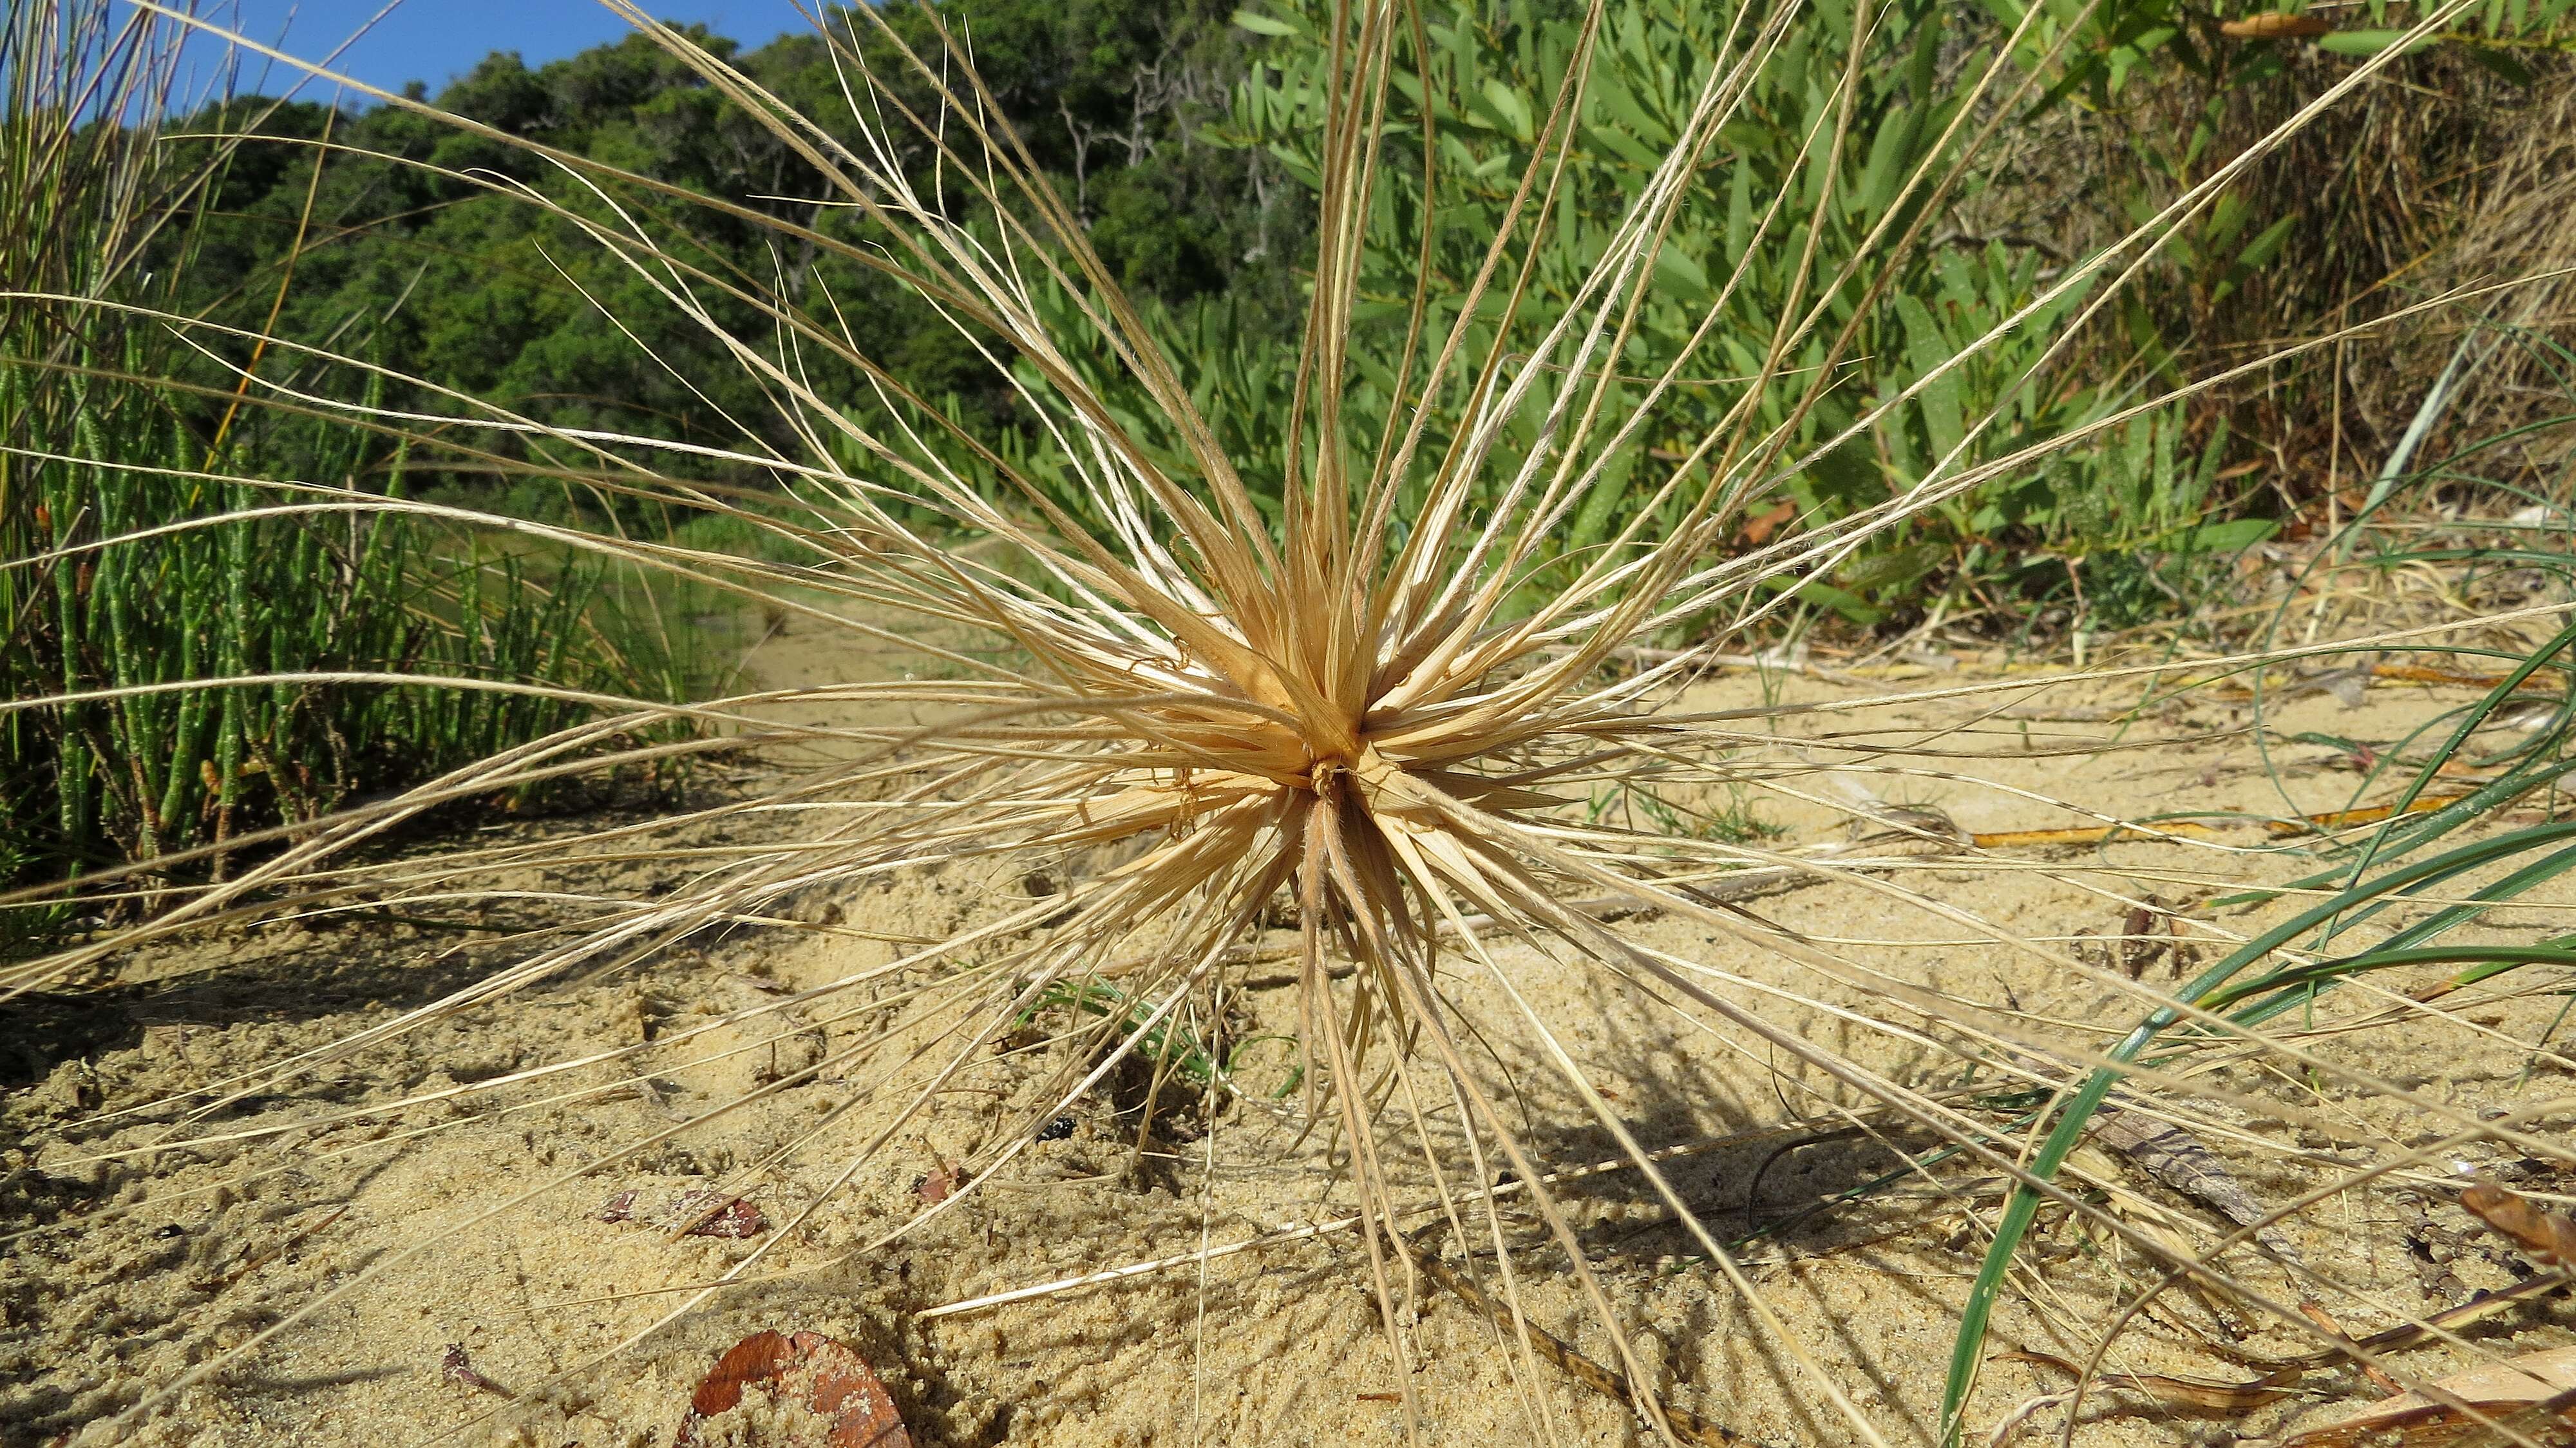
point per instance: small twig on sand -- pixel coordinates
(257, 1260)
(2012, 1421)
(457, 1368)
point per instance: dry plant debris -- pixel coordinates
(2522, 1400)
(2548, 1237)
(458, 1368)
(2278, 25)
(825, 1377)
(699, 1213)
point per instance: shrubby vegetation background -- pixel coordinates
(1183, 134)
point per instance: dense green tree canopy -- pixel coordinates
(407, 251)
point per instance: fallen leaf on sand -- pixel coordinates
(2548, 1237)
(940, 1183)
(825, 1377)
(2533, 1395)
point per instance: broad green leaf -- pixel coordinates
(2503, 63)
(2231, 536)
(2260, 251)
(1676, 268)
(1512, 108)
(1260, 24)
(2371, 42)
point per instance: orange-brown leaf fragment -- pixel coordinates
(2276, 27)
(1759, 528)
(2533, 1396)
(940, 1183)
(2547, 1237)
(826, 1377)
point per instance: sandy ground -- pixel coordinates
(131, 1265)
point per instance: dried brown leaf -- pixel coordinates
(2533, 1395)
(2547, 1237)
(831, 1378)
(2276, 27)
(940, 1183)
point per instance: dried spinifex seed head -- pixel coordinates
(1377, 682)
(2547, 1237)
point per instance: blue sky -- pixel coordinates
(437, 40)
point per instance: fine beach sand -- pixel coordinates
(144, 1265)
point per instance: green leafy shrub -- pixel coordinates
(1898, 159)
(155, 540)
